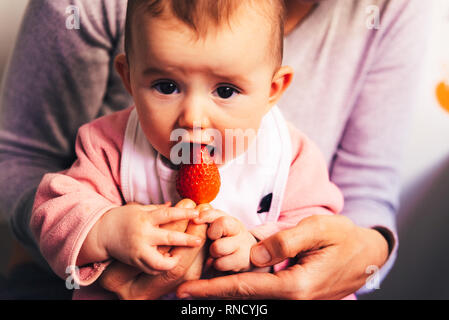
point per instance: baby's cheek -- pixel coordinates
(235, 137)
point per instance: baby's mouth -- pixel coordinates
(210, 149)
(195, 147)
(187, 150)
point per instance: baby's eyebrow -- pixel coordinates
(219, 75)
(153, 70)
(232, 78)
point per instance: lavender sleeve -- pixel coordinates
(367, 162)
(57, 80)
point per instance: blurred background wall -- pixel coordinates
(11, 12)
(423, 260)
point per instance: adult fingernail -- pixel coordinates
(260, 255)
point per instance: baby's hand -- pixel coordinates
(131, 234)
(232, 242)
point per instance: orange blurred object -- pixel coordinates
(442, 93)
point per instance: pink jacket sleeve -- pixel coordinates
(68, 204)
(309, 190)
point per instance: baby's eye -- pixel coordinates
(166, 87)
(225, 92)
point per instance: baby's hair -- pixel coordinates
(199, 15)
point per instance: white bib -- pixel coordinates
(146, 179)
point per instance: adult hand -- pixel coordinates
(130, 283)
(332, 256)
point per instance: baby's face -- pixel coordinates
(220, 82)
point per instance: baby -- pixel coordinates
(192, 67)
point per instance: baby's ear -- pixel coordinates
(281, 81)
(122, 67)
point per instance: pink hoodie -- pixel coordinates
(69, 203)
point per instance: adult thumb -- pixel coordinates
(285, 244)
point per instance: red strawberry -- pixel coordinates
(200, 180)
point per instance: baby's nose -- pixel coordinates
(194, 115)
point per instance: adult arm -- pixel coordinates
(367, 162)
(57, 80)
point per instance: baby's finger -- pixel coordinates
(174, 238)
(208, 216)
(152, 261)
(180, 225)
(165, 215)
(223, 227)
(223, 247)
(228, 263)
(186, 203)
(204, 207)
(150, 207)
